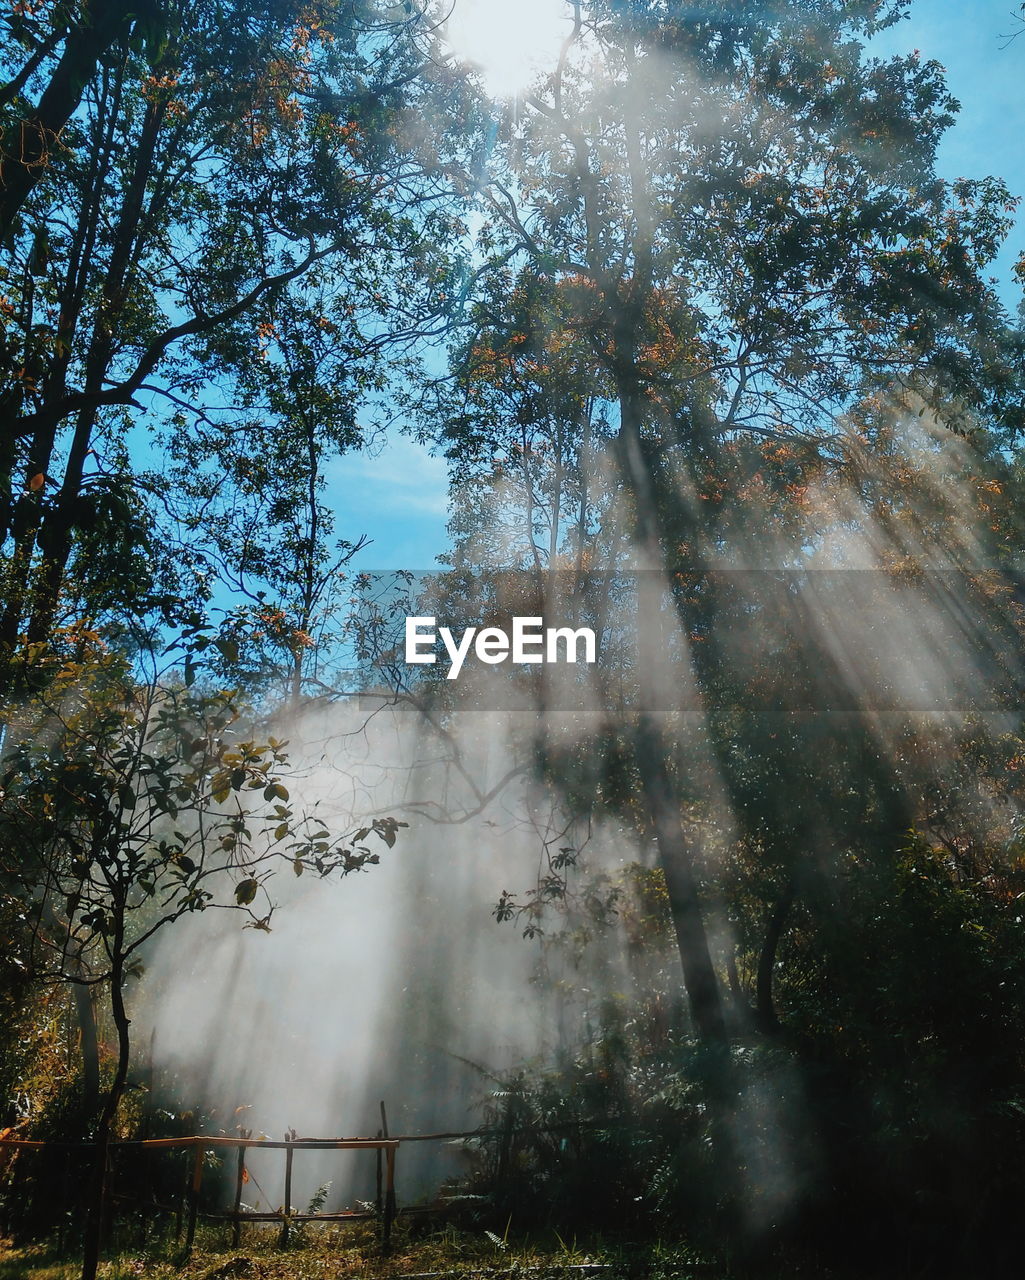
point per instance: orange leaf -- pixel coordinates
(37, 482)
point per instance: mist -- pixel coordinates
(399, 985)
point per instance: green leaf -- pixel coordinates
(228, 649)
(246, 892)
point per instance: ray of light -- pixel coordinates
(509, 42)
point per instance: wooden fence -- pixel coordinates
(200, 1145)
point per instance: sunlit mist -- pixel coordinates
(508, 44)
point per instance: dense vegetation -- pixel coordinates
(714, 357)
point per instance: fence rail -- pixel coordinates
(200, 1144)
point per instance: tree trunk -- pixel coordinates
(676, 857)
(89, 1046)
(768, 1020)
(56, 536)
(99, 1189)
(653, 751)
(27, 143)
(25, 510)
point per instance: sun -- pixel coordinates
(509, 42)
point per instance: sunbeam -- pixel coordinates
(509, 45)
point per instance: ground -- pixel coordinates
(442, 1254)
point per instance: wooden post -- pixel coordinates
(240, 1177)
(389, 1199)
(505, 1148)
(287, 1207)
(179, 1207)
(65, 1201)
(379, 1201)
(197, 1179)
(107, 1211)
(103, 1174)
(389, 1202)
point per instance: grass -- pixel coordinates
(332, 1253)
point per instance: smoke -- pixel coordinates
(874, 627)
(394, 985)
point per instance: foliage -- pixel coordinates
(718, 334)
(354, 1250)
(132, 805)
(205, 256)
(128, 805)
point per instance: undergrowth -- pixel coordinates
(435, 1253)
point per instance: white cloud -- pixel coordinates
(398, 497)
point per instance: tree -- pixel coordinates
(65, 47)
(128, 805)
(743, 212)
(242, 174)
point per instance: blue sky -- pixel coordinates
(986, 75)
(398, 495)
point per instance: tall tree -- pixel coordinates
(743, 208)
(204, 176)
(129, 804)
(60, 50)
